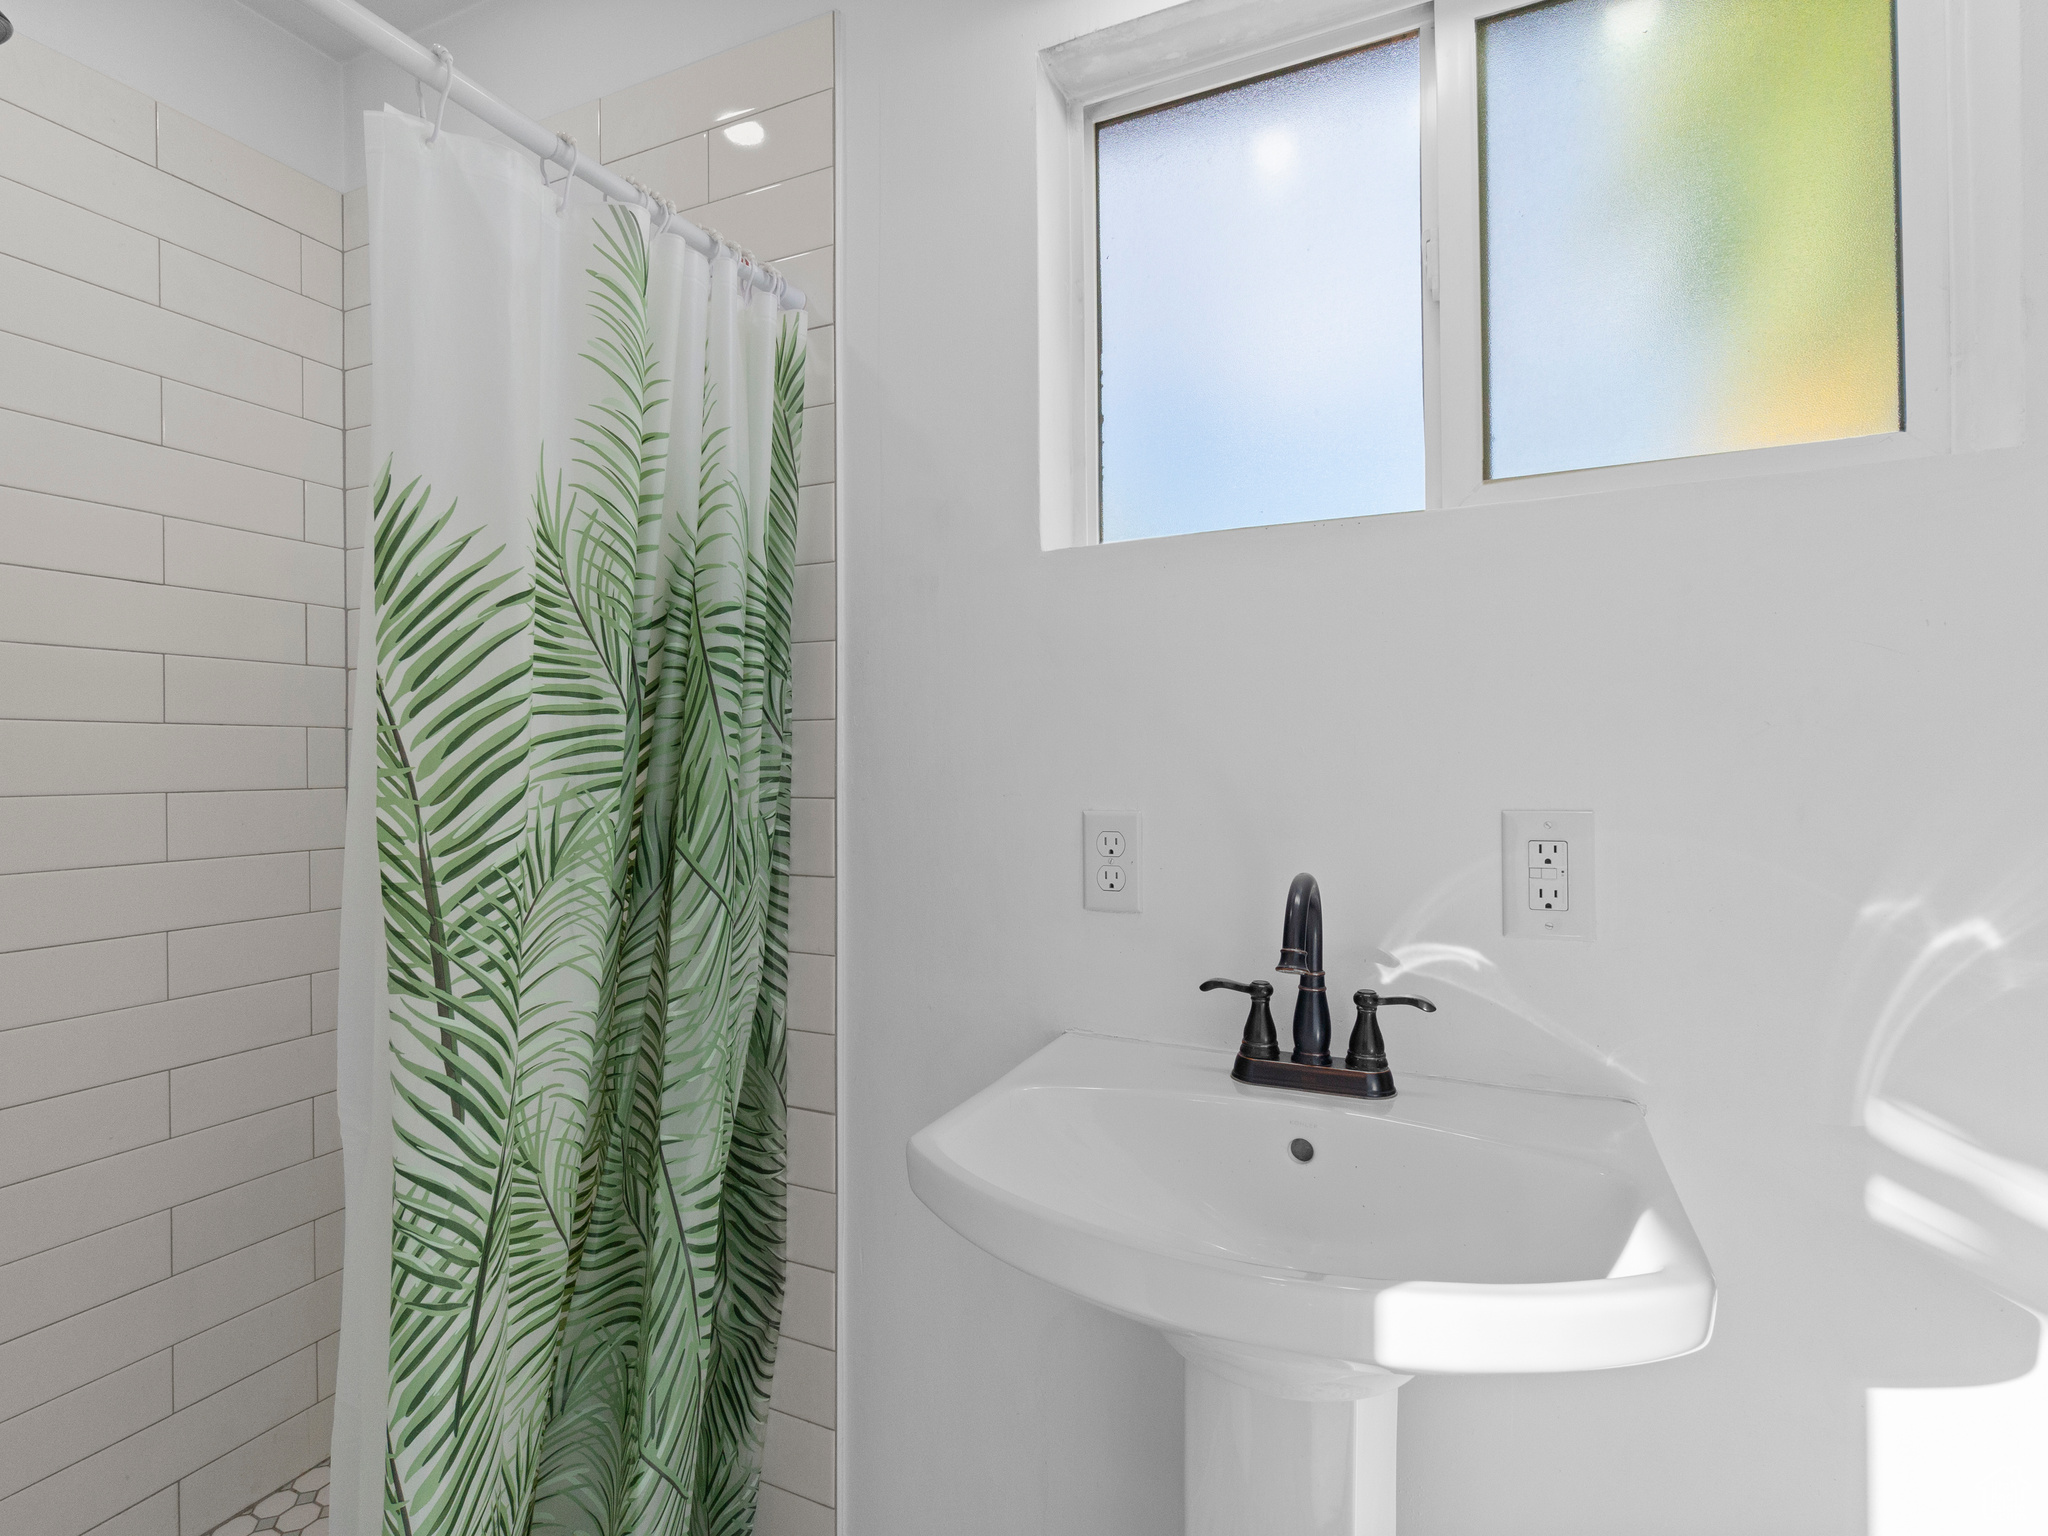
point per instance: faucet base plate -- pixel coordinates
(1306, 1079)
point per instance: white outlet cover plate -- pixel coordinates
(1100, 831)
(1519, 919)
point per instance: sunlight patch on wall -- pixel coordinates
(1949, 1460)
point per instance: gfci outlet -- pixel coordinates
(1546, 874)
(1111, 861)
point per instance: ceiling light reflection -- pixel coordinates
(1274, 152)
(1628, 21)
(746, 135)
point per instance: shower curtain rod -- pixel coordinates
(374, 31)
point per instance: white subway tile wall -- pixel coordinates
(172, 630)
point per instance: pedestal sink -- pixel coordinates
(1307, 1255)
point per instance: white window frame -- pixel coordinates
(1959, 202)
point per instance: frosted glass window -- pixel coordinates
(1691, 228)
(1260, 292)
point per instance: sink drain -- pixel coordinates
(1302, 1150)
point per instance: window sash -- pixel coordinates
(1249, 265)
(1461, 402)
(1454, 405)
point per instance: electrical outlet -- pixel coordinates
(1546, 874)
(1110, 861)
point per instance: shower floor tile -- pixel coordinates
(299, 1507)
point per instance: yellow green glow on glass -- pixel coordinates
(1691, 228)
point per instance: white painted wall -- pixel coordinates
(1791, 702)
(213, 60)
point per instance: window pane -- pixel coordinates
(1691, 228)
(1261, 313)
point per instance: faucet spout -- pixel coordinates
(1301, 930)
(1301, 951)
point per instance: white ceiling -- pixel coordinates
(407, 15)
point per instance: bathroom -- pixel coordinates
(1770, 684)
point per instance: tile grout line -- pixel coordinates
(136, 650)
(166, 1278)
(91, 794)
(79, 133)
(151, 234)
(165, 1141)
(114, 362)
(211, 458)
(66, 421)
(214, 725)
(87, 1456)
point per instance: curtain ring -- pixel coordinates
(575, 159)
(653, 202)
(448, 61)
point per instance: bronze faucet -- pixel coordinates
(1365, 1074)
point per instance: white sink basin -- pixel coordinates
(1454, 1228)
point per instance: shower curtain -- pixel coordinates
(567, 868)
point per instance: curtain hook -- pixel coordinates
(447, 59)
(653, 202)
(575, 159)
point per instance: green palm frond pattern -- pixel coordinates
(583, 752)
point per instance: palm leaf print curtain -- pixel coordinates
(566, 876)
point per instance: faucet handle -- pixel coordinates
(1368, 1052)
(1261, 1043)
(1368, 999)
(1255, 988)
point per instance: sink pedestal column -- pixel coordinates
(1282, 1443)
